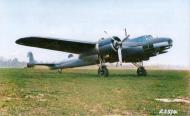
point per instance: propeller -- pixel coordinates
(120, 47)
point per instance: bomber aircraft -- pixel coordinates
(111, 49)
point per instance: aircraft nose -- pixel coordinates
(170, 42)
(163, 43)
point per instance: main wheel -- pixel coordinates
(141, 71)
(103, 71)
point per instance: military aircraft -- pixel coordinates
(111, 49)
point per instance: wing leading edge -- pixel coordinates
(57, 44)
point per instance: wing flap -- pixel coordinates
(57, 44)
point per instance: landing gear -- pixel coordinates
(59, 71)
(141, 71)
(103, 71)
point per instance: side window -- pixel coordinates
(148, 38)
(142, 39)
(138, 40)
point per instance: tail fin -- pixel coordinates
(31, 61)
(31, 58)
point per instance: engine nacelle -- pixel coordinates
(108, 45)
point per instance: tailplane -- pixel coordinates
(32, 62)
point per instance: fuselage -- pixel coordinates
(133, 50)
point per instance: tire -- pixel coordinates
(103, 72)
(141, 71)
(59, 71)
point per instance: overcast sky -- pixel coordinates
(87, 20)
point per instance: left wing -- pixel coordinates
(77, 47)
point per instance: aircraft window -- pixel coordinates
(141, 39)
(149, 37)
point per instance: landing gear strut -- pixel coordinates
(141, 71)
(102, 71)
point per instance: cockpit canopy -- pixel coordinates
(141, 39)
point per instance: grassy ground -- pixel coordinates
(81, 92)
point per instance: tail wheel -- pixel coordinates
(141, 71)
(103, 71)
(59, 71)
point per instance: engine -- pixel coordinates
(108, 45)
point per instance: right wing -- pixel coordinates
(77, 47)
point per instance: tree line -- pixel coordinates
(11, 63)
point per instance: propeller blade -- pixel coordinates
(126, 35)
(120, 56)
(126, 38)
(125, 32)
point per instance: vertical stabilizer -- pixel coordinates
(31, 58)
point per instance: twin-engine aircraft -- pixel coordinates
(112, 49)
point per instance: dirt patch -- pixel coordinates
(7, 99)
(167, 100)
(39, 97)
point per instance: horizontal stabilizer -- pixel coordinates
(32, 62)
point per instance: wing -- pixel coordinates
(57, 44)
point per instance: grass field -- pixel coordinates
(82, 92)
